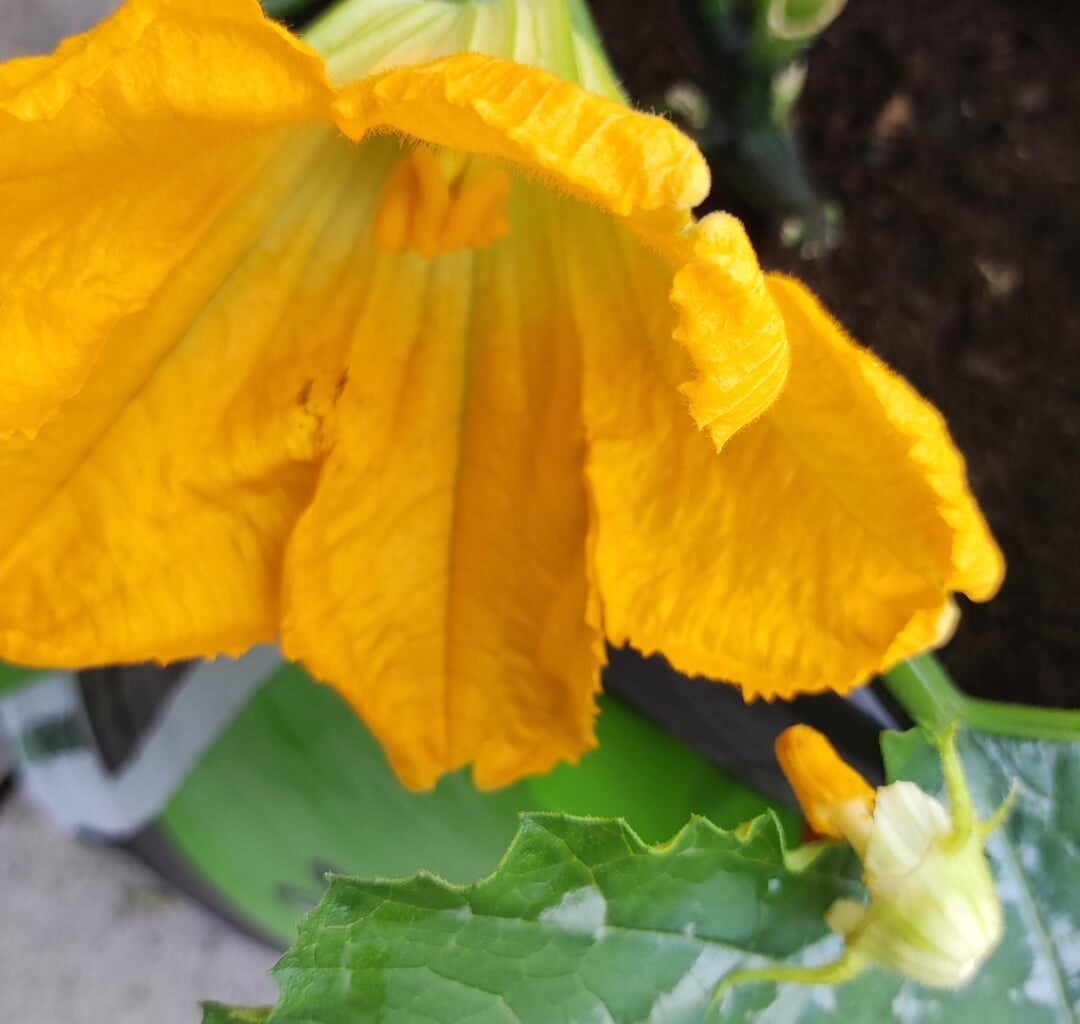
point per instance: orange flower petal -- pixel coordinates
(438, 576)
(822, 543)
(111, 172)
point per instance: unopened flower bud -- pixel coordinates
(932, 913)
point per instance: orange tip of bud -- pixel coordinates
(825, 784)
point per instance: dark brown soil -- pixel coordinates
(949, 132)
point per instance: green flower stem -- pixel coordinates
(584, 26)
(926, 691)
(961, 806)
(850, 964)
(749, 135)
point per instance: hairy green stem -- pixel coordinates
(926, 691)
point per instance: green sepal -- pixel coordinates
(359, 37)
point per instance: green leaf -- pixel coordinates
(12, 677)
(215, 1013)
(584, 922)
(581, 922)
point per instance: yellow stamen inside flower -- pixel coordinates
(837, 801)
(437, 202)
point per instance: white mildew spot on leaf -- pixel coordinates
(695, 986)
(906, 1006)
(824, 951)
(1041, 987)
(1030, 858)
(582, 909)
(824, 998)
(599, 1016)
(1065, 934)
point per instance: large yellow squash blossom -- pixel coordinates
(421, 367)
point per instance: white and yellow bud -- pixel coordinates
(932, 912)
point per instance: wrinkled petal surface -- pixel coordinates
(148, 519)
(115, 162)
(438, 577)
(819, 547)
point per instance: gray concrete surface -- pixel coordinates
(87, 934)
(35, 26)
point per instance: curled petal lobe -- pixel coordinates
(161, 155)
(595, 149)
(730, 326)
(926, 630)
